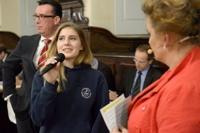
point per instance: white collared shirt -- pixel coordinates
(39, 50)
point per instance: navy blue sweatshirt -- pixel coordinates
(77, 108)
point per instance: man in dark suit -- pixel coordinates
(47, 17)
(143, 62)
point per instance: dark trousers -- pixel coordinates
(5, 125)
(26, 126)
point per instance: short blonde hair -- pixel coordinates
(181, 17)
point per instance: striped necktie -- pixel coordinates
(42, 58)
(136, 88)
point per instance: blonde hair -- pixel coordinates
(177, 16)
(85, 55)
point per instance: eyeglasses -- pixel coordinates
(42, 17)
(139, 62)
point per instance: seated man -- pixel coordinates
(147, 74)
(105, 69)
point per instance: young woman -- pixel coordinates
(68, 98)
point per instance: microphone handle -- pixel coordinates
(47, 68)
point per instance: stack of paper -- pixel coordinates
(116, 112)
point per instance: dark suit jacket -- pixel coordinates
(128, 78)
(23, 53)
(18, 69)
(1, 63)
(105, 69)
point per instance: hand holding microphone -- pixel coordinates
(51, 71)
(59, 58)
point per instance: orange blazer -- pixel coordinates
(171, 104)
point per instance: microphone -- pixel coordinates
(150, 51)
(59, 58)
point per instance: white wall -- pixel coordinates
(129, 18)
(0, 14)
(9, 14)
(100, 13)
(27, 23)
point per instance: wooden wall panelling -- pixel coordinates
(73, 12)
(9, 39)
(102, 40)
(118, 65)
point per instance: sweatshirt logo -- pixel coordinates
(86, 93)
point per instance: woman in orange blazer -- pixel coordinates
(171, 104)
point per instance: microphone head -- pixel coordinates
(149, 51)
(60, 57)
